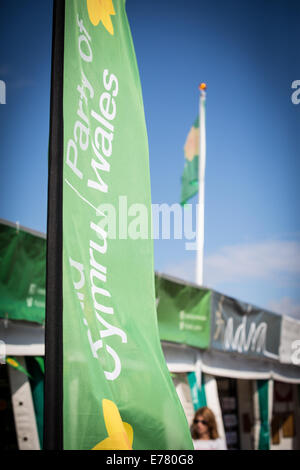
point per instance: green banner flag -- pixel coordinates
(22, 273)
(117, 392)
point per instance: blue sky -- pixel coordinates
(248, 53)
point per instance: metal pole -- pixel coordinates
(201, 180)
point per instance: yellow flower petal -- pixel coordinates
(129, 432)
(12, 362)
(112, 417)
(107, 23)
(101, 10)
(115, 442)
(120, 434)
(93, 7)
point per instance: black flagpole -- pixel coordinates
(53, 397)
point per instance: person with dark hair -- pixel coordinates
(204, 431)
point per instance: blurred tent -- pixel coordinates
(211, 342)
(233, 338)
(231, 356)
(22, 313)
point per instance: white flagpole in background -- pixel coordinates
(201, 179)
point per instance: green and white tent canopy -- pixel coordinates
(22, 289)
(197, 325)
(200, 327)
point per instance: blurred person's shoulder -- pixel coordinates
(211, 444)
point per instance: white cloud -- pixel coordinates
(269, 260)
(285, 306)
(183, 270)
(275, 261)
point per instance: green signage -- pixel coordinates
(183, 313)
(22, 274)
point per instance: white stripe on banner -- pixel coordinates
(270, 401)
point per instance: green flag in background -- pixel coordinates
(117, 392)
(189, 179)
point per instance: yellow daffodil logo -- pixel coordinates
(120, 434)
(101, 10)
